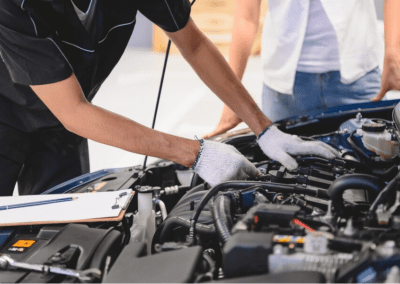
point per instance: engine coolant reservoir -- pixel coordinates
(377, 139)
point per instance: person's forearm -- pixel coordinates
(66, 101)
(245, 27)
(391, 63)
(215, 72)
(226, 85)
(112, 129)
(392, 26)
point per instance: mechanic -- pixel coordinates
(57, 53)
(316, 54)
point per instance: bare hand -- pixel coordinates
(390, 74)
(228, 121)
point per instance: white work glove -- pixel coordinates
(278, 145)
(218, 162)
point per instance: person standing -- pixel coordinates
(315, 54)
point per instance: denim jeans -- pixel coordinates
(317, 92)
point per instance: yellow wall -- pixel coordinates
(215, 19)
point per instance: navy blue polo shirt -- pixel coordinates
(43, 41)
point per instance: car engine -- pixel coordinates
(327, 221)
(338, 218)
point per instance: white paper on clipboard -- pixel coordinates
(86, 206)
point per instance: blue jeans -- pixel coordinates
(317, 92)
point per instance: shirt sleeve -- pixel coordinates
(170, 15)
(30, 60)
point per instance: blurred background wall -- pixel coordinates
(214, 18)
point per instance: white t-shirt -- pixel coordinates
(356, 27)
(320, 51)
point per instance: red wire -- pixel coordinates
(299, 223)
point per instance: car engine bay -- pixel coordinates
(327, 221)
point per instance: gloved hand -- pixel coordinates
(218, 162)
(278, 145)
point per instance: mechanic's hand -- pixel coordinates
(390, 74)
(228, 120)
(278, 145)
(218, 162)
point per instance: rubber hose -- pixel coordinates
(222, 216)
(352, 181)
(174, 222)
(169, 225)
(387, 175)
(357, 150)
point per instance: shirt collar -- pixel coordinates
(68, 24)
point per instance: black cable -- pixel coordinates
(357, 150)
(324, 135)
(383, 196)
(312, 159)
(311, 138)
(159, 94)
(196, 180)
(160, 89)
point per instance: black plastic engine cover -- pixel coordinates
(286, 277)
(86, 242)
(178, 266)
(247, 253)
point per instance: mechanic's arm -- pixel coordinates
(215, 72)
(217, 162)
(66, 101)
(212, 68)
(245, 27)
(391, 64)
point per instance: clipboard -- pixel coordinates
(108, 199)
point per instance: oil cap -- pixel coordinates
(373, 127)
